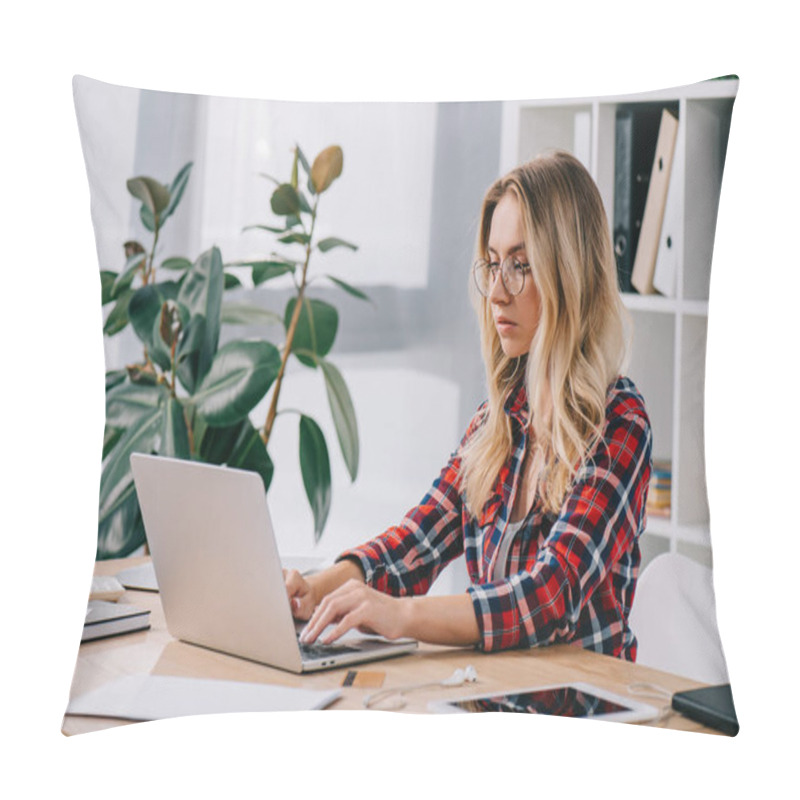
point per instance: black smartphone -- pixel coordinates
(711, 705)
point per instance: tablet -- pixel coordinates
(562, 700)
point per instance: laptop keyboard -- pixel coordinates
(313, 651)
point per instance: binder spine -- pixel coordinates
(623, 164)
(636, 132)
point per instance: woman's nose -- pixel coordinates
(497, 289)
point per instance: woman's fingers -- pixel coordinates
(300, 594)
(331, 610)
(355, 605)
(348, 622)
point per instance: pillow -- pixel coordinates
(207, 211)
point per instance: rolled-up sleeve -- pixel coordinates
(560, 595)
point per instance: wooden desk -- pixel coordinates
(155, 651)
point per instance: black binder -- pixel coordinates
(635, 147)
(712, 706)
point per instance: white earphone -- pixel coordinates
(459, 677)
(467, 675)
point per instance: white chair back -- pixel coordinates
(674, 619)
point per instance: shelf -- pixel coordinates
(698, 535)
(709, 89)
(664, 305)
(650, 302)
(669, 332)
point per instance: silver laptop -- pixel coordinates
(218, 569)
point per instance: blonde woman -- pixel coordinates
(545, 495)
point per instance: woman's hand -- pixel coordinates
(355, 605)
(302, 596)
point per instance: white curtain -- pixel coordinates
(382, 201)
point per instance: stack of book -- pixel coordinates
(106, 617)
(659, 497)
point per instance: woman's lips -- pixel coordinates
(504, 325)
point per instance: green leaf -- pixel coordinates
(121, 530)
(117, 320)
(187, 355)
(344, 416)
(267, 270)
(154, 195)
(295, 238)
(174, 433)
(128, 403)
(107, 278)
(292, 221)
(316, 470)
(242, 314)
(237, 446)
(177, 263)
(145, 309)
(110, 438)
(285, 201)
(201, 292)
(307, 168)
(125, 278)
(269, 228)
(333, 241)
(304, 205)
(290, 261)
(147, 218)
(316, 328)
(230, 281)
(240, 376)
(348, 288)
(114, 377)
(269, 178)
(115, 478)
(303, 159)
(214, 444)
(176, 189)
(249, 453)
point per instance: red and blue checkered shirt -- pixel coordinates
(570, 577)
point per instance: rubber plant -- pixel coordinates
(190, 398)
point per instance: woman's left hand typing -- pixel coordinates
(355, 605)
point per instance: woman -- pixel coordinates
(546, 494)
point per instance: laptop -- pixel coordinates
(219, 572)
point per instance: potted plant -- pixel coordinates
(191, 398)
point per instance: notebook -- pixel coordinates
(219, 572)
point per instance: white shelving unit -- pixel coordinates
(669, 340)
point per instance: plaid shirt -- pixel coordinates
(571, 576)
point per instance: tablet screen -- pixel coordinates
(564, 701)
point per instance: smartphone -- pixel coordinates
(711, 705)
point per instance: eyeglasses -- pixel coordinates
(512, 273)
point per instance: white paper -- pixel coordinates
(150, 697)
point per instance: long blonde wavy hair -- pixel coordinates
(580, 343)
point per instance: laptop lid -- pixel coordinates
(215, 558)
(218, 568)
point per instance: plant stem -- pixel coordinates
(150, 272)
(172, 366)
(273, 406)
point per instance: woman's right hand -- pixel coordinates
(302, 597)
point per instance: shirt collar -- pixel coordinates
(516, 404)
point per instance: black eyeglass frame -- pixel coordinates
(504, 270)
